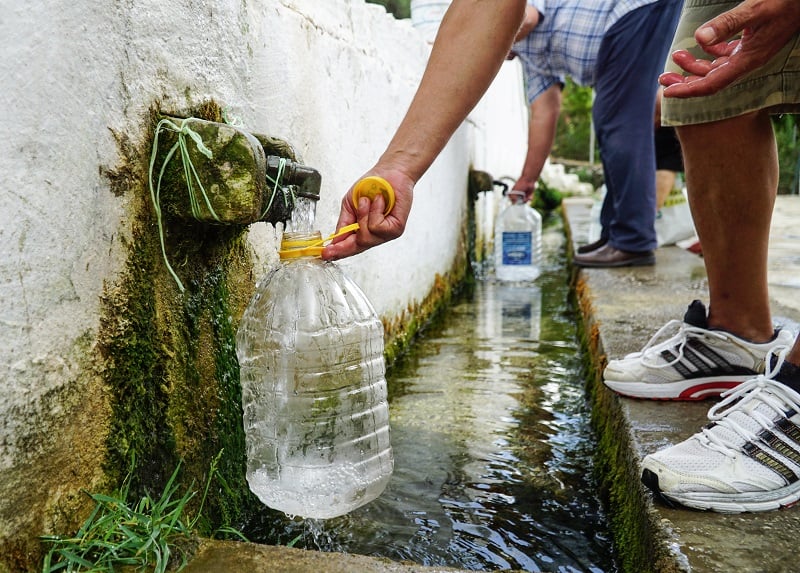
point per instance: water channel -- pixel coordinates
(492, 443)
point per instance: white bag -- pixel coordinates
(674, 219)
(595, 228)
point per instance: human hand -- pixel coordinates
(518, 197)
(522, 191)
(765, 26)
(375, 226)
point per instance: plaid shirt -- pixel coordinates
(567, 40)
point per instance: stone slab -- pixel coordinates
(235, 557)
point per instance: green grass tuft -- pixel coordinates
(153, 534)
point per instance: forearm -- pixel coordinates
(529, 22)
(472, 43)
(542, 126)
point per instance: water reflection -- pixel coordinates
(492, 445)
(510, 310)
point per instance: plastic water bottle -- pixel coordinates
(517, 241)
(316, 415)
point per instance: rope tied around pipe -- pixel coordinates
(196, 199)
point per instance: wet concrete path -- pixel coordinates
(628, 306)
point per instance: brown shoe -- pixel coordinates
(592, 246)
(607, 257)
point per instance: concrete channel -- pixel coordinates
(622, 309)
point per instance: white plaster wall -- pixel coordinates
(60, 227)
(500, 123)
(332, 77)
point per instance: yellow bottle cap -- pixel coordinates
(372, 186)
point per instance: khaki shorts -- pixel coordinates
(774, 87)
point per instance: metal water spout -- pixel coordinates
(307, 180)
(295, 180)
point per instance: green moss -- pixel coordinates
(232, 181)
(637, 538)
(133, 347)
(170, 362)
(211, 420)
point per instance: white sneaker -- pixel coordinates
(693, 364)
(746, 459)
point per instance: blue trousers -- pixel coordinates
(632, 55)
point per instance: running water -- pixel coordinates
(303, 215)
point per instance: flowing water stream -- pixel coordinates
(492, 443)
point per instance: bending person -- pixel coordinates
(592, 43)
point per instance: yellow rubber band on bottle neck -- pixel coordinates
(311, 247)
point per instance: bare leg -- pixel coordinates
(665, 181)
(732, 177)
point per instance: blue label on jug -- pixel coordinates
(517, 248)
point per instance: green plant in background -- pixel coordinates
(398, 8)
(786, 134)
(574, 123)
(152, 534)
(546, 198)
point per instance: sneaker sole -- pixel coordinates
(751, 502)
(684, 390)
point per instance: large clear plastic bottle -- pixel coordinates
(316, 415)
(518, 241)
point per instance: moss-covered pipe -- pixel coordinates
(219, 174)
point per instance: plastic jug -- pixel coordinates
(518, 241)
(316, 415)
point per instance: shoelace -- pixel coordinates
(651, 352)
(745, 398)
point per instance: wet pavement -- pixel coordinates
(235, 557)
(629, 305)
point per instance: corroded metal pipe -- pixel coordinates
(307, 180)
(296, 180)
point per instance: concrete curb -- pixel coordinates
(622, 309)
(235, 557)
